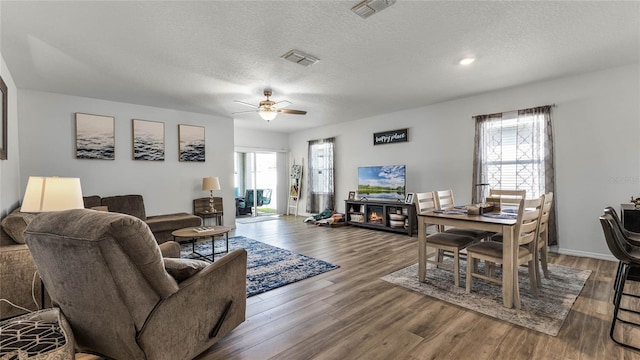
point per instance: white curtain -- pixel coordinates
(321, 193)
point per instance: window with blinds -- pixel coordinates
(513, 154)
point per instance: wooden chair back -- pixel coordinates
(444, 199)
(508, 193)
(509, 198)
(546, 213)
(527, 228)
(425, 201)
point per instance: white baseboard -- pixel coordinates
(562, 251)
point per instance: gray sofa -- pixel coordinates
(161, 225)
(17, 268)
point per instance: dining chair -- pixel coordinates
(543, 238)
(630, 237)
(526, 232)
(444, 200)
(505, 199)
(446, 244)
(629, 258)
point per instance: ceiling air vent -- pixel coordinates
(366, 8)
(299, 57)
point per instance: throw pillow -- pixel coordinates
(15, 223)
(182, 269)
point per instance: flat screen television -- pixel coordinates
(382, 182)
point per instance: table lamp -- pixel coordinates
(45, 194)
(210, 184)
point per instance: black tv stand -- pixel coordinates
(393, 216)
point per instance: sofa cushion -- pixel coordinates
(126, 204)
(91, 201)
(15, 223)
(170, 222)
(182, 269)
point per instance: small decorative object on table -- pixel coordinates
(636, 202)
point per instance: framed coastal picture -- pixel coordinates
(95, 137)
(148, 140)
(191, 143)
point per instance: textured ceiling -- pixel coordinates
(200, 56)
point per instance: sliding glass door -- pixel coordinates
(255, 183)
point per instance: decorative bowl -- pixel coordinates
(397, 217)
(396, 223)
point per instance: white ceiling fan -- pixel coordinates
(269, 109)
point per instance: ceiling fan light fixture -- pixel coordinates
(267, 114)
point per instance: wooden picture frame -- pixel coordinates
(191, 144)
(5, 119)
(95, 136)
(352, 195)
(409, 198)
(148, 140)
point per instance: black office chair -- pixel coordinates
(629, 269)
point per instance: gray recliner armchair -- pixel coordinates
(106, 273)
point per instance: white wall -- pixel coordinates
(10, 168)
(596, 136)
(47, 148)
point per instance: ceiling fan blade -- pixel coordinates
(291, 111)
(242, 112)
(282, 104)
(245, 103)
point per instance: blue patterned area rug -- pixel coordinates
(545, 314)
(268, 267)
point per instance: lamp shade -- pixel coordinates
(210, 183)
(52, 194)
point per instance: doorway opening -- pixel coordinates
(255, 183)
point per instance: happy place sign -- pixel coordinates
(391, 136)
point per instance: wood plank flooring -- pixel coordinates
(349, 313)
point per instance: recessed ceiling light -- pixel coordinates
(467, 60)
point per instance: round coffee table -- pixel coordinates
(196, 233)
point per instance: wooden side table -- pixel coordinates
(208, 214)
(208, 232)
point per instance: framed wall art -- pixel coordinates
(191, 143)
(148, 140)
(3, 127)
(409, 198)
(95, 137)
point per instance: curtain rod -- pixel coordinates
(502, 112)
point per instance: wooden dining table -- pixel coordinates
(478, 222)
